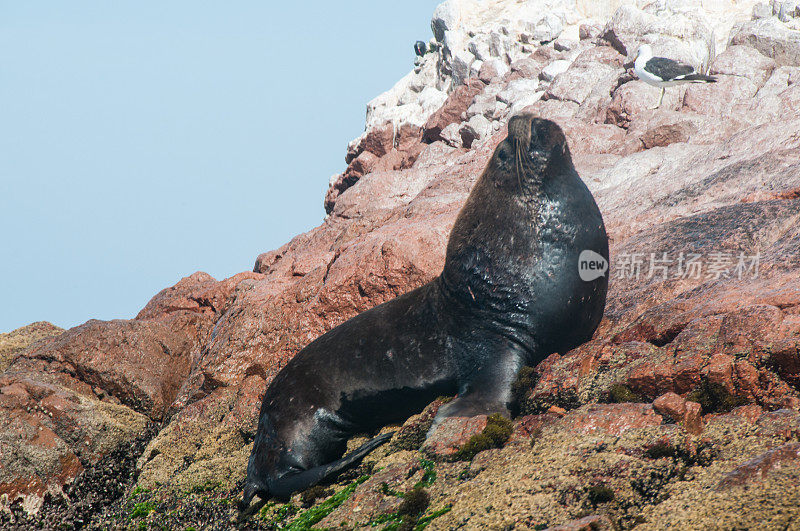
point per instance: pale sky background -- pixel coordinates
(140, 142)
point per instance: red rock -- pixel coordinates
(592, 138)
(218, 296)
(634, 101)
(529, 426)
(527, 68)
(595, 69)
(338, 184)
(450, 112)
(412, 433)
(686, 372)
(782, 423)
(379, 140)
(363, 163)
(612, 419)
(759, 467)
(670, 404)
(49, 433)
(545, 54)
(554, 109)
(722, 98)
(489, 72)
(770, 37)
(693, 418)
(381, 148)
(748, 331)
(790, 402)
(180, 297)
(720, 370)
(451, 434)
(142, 363)
(651, 378)
(706, 182)
(744, 61)
(750, 412)
(589, 31)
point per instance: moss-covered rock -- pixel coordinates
(497, 431)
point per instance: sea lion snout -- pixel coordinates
(537, 139)
(539, 135)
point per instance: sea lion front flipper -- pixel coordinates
(488, 389)
(470, 406)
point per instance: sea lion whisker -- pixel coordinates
(519, 164)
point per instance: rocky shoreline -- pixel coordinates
(682, 412)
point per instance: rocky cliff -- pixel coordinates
(683, 410)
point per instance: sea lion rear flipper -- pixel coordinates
(308, 478)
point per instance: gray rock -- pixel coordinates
(477, 128)
(564, 45)
(445, 17)
(590, 30)
(527, 67)
(524, 100)
(786, 10)
(553, 69)
(517, 90)
(479, 47)
(475, 68)
(542, 30)
(762, 10)
(771, 37)
(460, 64)
(451, 135)
(492, 69)
(679, 36)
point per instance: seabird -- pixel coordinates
(662, 72)
(420, 48)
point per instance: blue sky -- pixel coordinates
(144, 141)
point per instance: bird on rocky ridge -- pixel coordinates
(662, 72)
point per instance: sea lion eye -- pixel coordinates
(541, 135)
(503, 153)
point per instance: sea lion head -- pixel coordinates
(534, 149)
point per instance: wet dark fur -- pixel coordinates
(509, 295)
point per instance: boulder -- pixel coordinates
(771, 37)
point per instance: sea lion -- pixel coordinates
(509, 295)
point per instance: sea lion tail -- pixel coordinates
(285, 486)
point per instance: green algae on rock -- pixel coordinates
(497, 431)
